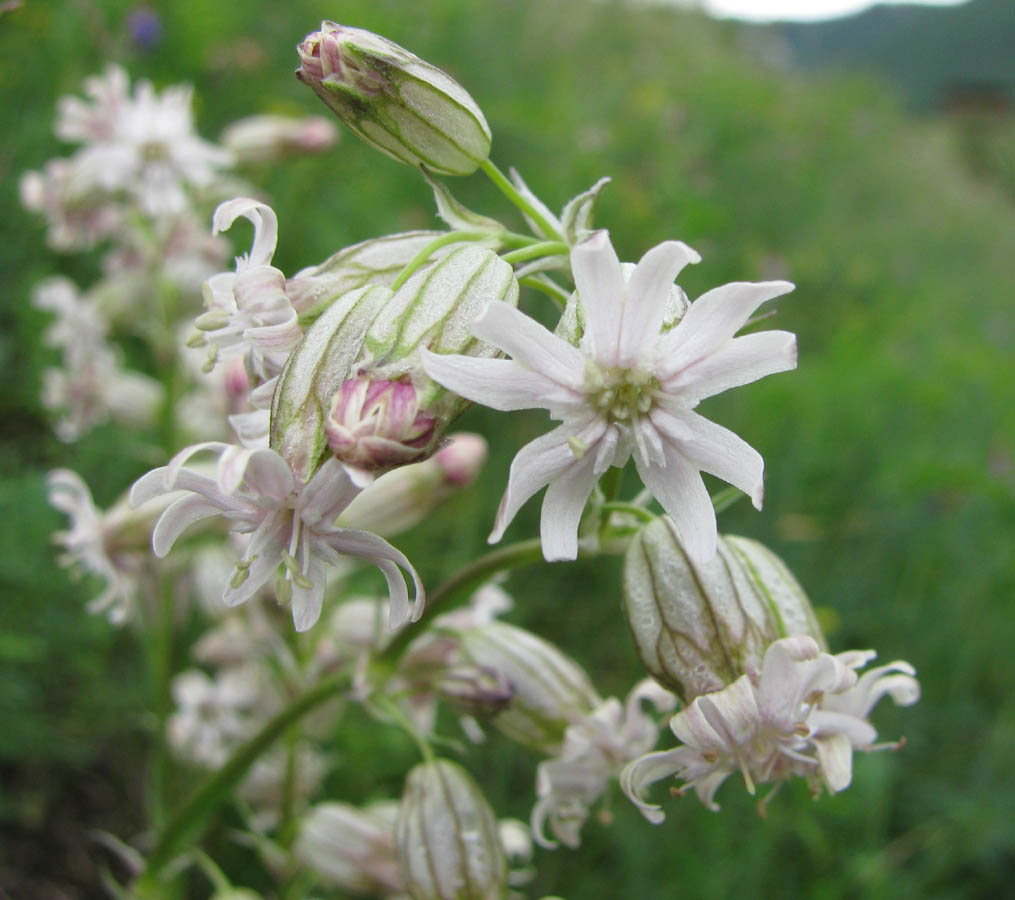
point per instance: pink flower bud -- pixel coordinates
(377, 424)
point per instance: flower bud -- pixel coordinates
(446, 837)
(377, 424)
(262, 139)
(352, 849)
(397, 102)
(404, 497)
(474, 690)
(314, 372)
(549, 690)
(699, 626)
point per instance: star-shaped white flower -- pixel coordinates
(628, 388)
(292, 524)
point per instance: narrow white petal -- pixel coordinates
(860, 733)
(149, 486)
(530, 344)
(330, 491)
(648, 292)
(835, 761)
(307, 601)
(713, 449)
(388, 559)
(178, 518)
(650, 768)
(740, 361)
(498, 383)
(262, 217)
(599, 280)
(563, 506)
(711, 321)
(681, 492)
(534, 466)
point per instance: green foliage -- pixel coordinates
(890, 453)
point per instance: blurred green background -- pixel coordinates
(890, 453)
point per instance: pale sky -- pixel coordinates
(801, 10)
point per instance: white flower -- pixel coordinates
(292, 525)
(805, 716)
(595, 750)
(249, 314)
(628, 388)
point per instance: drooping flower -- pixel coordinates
(628, 388)
(805, 716)
(292, 524)
(248, 313)
(595, 750)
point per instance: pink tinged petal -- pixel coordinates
(261, 560)
(740, 361)
(563, 506)
(530, 344)
(265, 224)
(599, 280)
(178, 518)
(678, 487)
(307, 601)
(711, 321)
(327, 494)
(268, 477)
(149, 486)
(378, 551)
(499, 383)
(648, 292)
(534, 466)
(177, 464)
(713, 449)
(835, 761)
(652, 767)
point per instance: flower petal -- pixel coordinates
(530, 344)
(563, 506)
(307, 601)
(499, 383)
(711, 321)
(713, 449)
(681, 492)
(261, 560)
(330, 491)
(835, 761)
(648, 769)
(265, 224)
(740, 361)
(599, 280)
(648, 292)
(178, 518)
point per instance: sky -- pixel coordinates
(801, 10)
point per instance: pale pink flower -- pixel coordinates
(805, 716)
(628, 388)
(292, 524)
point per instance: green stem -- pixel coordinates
(217, 787)
(452, 237)
(461, 583)
(511, 192)
(725, 498)
(547, 286)
(544, 248)
(162, 672)
(630, 508)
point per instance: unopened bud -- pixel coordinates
(699, 626)
(377, 424)
(404, 497)
(446, 837)
(353, 849)
(549, 689)
(260, 139)
(397, 102)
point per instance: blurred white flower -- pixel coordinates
(595, 750)
(805, 716)
(266, 138)
(628, 388)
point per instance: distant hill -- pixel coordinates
(934, 54)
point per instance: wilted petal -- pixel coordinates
(265, 224)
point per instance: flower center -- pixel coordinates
(622, 395)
